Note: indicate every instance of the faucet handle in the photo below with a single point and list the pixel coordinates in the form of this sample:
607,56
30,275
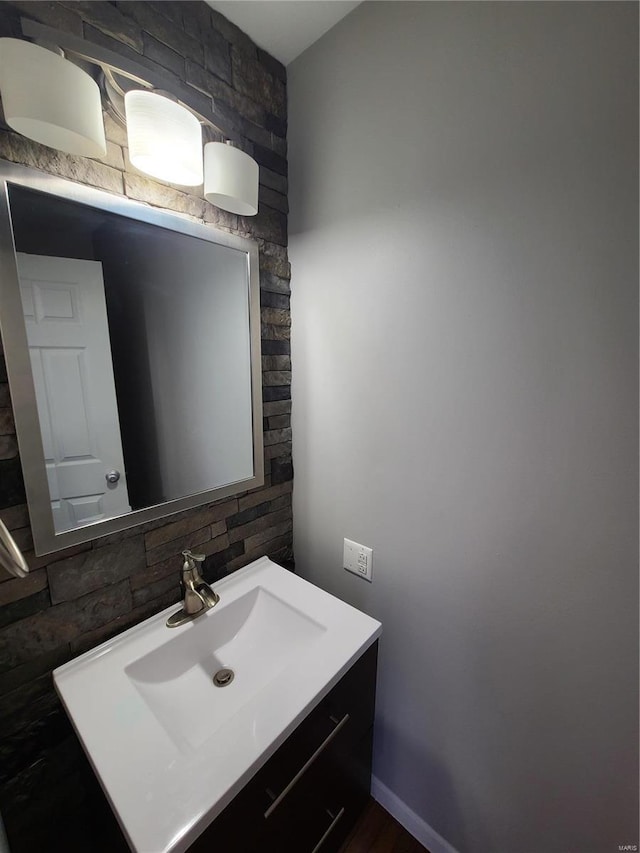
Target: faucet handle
197,558
190,567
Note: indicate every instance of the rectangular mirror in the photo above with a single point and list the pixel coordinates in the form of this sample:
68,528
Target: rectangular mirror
132,342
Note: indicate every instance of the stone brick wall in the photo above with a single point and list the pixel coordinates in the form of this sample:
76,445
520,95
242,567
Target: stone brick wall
74,599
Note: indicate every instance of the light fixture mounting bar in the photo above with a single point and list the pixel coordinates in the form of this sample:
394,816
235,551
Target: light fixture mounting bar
143,72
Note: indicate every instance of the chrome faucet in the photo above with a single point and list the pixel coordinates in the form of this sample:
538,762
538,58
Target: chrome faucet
197,594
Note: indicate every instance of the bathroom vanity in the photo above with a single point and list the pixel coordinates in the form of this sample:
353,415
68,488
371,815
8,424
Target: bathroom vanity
274,757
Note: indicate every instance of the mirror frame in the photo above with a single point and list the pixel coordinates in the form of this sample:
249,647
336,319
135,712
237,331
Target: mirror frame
16,352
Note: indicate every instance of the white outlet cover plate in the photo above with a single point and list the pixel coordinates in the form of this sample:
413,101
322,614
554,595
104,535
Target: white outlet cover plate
358,559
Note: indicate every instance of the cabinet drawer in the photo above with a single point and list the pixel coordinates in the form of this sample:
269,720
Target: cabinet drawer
321,809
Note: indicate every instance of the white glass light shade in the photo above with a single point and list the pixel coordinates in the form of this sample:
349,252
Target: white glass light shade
230,179
50,100
165,139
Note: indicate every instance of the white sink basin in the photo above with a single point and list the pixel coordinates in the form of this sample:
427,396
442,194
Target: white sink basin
256,636
171,749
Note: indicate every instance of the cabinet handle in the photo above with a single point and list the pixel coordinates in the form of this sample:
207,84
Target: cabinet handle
329,829
325,743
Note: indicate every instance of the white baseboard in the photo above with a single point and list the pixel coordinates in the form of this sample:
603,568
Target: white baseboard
405,816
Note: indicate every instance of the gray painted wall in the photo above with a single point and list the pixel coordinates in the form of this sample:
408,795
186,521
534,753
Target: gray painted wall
464,221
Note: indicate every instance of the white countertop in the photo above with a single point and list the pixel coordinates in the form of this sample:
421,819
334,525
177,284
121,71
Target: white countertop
167,781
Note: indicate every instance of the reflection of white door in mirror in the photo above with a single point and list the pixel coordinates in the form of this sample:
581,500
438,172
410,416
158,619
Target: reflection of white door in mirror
66,321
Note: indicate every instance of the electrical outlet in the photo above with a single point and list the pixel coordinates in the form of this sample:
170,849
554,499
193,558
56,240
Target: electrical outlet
358,559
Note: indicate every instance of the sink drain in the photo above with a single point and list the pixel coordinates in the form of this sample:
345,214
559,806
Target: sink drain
223,677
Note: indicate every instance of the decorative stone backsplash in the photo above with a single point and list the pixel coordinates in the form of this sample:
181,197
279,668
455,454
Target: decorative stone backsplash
79,597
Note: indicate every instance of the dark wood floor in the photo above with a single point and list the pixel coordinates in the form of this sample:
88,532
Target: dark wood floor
378,832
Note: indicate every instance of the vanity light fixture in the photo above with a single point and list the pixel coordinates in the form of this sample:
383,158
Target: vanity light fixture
50,100
230,178
165,139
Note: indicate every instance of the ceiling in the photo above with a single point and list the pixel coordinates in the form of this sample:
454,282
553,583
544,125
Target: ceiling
284,28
